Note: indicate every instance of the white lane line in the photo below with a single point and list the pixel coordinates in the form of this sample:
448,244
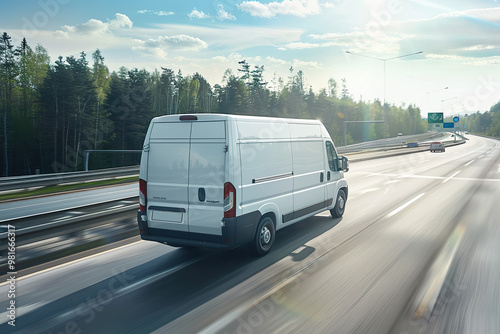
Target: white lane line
435,278
155,277
402,207
134,286
368,190
232,316
61,218
467,164
412,176
451,176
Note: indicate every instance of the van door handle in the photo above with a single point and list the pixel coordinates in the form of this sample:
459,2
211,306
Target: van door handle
201,194
321,177
328,176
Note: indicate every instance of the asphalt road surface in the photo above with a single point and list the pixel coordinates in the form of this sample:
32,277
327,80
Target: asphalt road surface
48,204
417,251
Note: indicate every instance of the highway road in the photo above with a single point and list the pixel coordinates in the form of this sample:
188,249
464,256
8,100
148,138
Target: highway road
416,252
48,204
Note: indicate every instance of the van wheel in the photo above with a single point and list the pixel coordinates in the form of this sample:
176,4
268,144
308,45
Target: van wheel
264,237
338,210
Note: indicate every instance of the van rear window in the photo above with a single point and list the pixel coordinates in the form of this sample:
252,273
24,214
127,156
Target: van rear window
171,130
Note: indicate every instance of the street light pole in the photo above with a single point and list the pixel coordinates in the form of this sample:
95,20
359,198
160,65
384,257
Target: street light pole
384,60
433,91
443,101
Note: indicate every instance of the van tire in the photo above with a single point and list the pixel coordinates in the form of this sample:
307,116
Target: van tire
264,237
338,210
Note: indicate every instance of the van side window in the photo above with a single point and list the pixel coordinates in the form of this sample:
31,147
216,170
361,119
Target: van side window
332,156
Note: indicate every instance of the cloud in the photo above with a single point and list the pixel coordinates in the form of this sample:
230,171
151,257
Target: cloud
276,61
470,33
196,14
223,15
121,21
305,64
233,58
96,27
484,61
301,45
153,12
458,35
160,46
299,8
361,41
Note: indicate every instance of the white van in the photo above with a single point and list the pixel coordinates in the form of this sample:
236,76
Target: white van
222,181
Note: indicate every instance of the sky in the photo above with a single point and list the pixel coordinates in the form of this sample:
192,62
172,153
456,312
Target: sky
440,56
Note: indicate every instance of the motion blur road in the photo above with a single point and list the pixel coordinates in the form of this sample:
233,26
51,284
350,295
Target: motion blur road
417,251
48,204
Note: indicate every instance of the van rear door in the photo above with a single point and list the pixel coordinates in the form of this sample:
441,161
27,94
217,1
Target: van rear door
186,176
206,177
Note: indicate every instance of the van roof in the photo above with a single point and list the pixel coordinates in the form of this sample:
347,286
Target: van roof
214,117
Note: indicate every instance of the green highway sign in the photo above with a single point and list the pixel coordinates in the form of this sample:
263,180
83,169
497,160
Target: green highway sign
435,117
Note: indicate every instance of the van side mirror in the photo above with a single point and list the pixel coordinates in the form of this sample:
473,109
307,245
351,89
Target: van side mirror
343,164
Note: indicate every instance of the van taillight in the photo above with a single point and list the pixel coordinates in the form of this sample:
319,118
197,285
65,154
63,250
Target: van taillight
143,194
229,200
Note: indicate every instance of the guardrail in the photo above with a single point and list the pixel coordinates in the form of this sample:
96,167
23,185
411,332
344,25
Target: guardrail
70,226
388,142
44,180
381,153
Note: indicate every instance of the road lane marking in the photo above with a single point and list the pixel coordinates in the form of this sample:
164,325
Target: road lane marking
413,176
134,286
402,207
71,262
451,176
436,276
467,164
155,277
232,316
368,190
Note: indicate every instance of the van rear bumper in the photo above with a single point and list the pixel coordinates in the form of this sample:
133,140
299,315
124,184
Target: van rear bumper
235,232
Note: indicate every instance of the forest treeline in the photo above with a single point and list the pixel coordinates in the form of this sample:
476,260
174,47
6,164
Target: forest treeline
51,112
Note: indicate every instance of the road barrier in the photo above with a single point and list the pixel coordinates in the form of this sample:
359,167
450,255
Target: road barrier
45,180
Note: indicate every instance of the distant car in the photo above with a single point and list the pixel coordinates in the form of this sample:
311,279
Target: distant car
437,146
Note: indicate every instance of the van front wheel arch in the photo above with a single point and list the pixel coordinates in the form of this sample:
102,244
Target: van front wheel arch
338,210
264,237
